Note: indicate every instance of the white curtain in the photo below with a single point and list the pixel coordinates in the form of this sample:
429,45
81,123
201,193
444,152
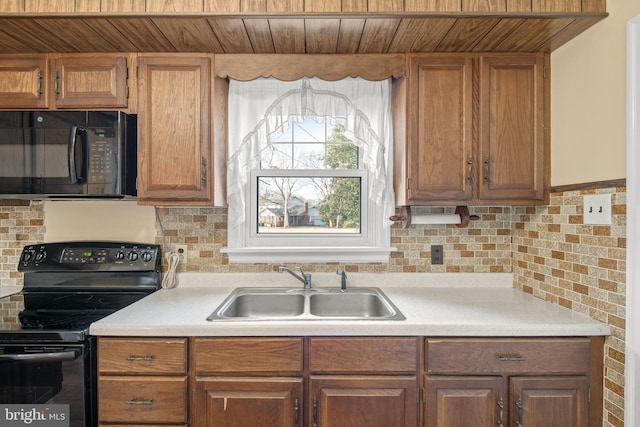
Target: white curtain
260,110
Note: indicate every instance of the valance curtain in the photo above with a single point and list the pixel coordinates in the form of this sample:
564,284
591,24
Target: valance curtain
259,112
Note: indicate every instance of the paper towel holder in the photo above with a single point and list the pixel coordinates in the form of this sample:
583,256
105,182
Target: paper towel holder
463,211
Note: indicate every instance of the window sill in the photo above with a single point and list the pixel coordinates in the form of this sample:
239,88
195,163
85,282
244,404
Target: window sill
308,254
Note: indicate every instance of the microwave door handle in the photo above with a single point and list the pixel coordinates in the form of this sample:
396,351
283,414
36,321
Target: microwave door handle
73,168
73,176
56,356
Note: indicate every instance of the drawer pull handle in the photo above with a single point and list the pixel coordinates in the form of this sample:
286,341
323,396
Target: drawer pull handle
139,402
515,358
140,358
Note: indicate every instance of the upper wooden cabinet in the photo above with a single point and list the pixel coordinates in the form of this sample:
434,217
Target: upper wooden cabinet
79,81
90,81
512,128
438,157
458,145
174,129
23,82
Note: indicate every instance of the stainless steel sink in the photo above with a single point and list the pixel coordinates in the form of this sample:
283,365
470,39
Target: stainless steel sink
350,304
306,304
260,303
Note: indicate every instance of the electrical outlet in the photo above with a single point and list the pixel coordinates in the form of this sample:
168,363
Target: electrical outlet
181,250
597,209
437,255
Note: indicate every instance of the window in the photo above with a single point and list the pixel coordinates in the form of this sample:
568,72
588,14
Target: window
309,171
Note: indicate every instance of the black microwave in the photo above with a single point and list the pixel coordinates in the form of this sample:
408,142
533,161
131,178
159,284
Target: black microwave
67,154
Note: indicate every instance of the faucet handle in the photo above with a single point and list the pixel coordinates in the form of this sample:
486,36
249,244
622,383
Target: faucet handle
343,280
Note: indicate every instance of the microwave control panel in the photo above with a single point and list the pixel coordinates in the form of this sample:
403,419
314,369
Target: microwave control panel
103,154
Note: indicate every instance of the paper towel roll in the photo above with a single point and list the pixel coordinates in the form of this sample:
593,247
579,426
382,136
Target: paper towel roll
460,218
435,219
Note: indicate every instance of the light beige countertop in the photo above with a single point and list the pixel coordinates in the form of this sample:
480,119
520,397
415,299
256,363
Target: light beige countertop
456,304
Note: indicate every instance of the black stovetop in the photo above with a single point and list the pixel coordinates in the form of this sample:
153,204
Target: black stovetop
69,285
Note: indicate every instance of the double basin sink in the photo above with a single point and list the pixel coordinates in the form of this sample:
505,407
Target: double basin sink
306,304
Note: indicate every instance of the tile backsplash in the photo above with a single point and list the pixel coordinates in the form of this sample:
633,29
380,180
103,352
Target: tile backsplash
551,254
484,246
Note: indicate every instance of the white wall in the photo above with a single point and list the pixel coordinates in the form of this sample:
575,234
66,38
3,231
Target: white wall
588,101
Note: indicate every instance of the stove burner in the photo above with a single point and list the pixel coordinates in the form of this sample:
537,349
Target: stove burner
60,319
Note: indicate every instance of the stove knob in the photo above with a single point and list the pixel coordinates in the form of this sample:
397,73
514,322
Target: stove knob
133,256
26,256
120,255
40,256
147,256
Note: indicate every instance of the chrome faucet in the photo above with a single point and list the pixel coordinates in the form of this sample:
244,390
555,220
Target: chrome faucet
305,278
343,280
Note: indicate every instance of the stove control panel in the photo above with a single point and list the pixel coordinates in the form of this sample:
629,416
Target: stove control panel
88,256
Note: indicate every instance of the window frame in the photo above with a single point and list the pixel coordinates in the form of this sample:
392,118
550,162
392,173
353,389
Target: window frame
373,244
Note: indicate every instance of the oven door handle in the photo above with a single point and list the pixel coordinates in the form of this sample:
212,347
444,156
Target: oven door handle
56,356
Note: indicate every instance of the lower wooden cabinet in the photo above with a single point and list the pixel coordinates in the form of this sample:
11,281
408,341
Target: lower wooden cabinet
363,400
237,402
350,382
529,382
464,401
142,381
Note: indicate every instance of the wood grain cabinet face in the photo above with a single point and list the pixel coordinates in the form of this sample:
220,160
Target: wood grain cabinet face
363,400
90,81
142,381
248,382
231,402
23,82
512,141
439,137
58,81
475,130
362,381
489,382
174,129
356,381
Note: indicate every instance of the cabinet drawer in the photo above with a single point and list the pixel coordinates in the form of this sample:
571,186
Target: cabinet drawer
142,356
248,355
363,355
142,399
483,356
142,425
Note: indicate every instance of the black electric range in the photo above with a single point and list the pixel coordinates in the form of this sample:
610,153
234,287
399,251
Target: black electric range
46,353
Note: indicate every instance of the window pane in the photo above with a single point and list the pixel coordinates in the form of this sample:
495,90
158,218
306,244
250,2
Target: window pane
327,205
311,144
277,156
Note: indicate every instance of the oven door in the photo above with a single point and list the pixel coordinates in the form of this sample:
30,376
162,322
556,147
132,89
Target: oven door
48,374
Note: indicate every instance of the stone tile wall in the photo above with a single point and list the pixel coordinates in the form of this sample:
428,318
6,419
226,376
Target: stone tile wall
21,224
583,267
484,246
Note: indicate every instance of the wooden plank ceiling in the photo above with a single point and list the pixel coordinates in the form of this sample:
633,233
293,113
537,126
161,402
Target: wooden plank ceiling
365,33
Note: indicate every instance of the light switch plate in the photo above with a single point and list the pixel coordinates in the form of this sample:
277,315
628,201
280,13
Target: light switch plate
597,209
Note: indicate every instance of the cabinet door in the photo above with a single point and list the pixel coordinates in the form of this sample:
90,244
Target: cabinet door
363,401
174,137
462,401
549,401
439,139
90,81
512,134
248,402
23,82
